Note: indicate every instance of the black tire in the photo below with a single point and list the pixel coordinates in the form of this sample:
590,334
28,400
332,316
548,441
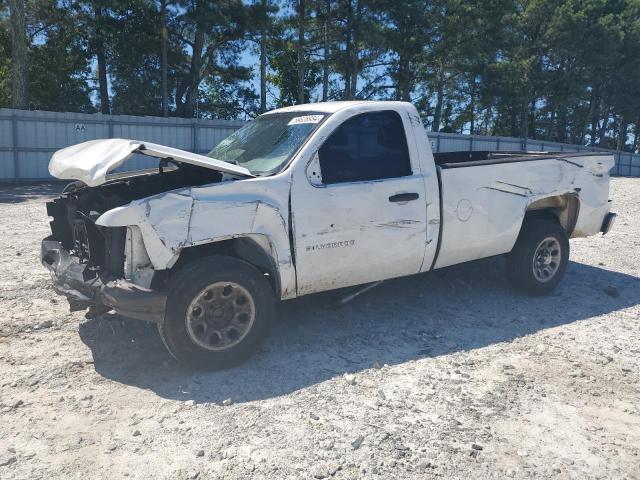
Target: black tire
524,274
188,285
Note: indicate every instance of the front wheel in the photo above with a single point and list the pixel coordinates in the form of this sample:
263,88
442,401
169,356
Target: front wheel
219,310
539,258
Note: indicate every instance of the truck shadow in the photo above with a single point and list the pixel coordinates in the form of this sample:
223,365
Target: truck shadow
455,309
26,192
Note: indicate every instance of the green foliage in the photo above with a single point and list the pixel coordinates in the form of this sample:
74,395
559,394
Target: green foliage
5,59
564,70
134,61
227,100
284,65
61,85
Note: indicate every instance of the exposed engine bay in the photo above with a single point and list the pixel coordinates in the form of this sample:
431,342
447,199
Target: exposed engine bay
74,213
92,253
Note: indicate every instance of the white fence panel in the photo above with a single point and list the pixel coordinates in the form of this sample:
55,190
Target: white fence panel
28,138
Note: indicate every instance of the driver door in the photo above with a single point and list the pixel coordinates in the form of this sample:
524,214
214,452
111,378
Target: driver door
361,213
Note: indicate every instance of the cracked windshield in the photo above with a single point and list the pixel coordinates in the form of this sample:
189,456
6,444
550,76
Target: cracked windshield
268,142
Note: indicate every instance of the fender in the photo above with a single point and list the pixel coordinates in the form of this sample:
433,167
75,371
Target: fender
172,221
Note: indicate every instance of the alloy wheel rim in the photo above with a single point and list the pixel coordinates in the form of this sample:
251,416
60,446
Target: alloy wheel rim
220,316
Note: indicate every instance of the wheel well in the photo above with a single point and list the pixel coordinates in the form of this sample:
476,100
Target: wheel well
253,249
563,209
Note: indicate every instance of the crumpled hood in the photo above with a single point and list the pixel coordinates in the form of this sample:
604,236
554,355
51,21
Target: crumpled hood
91,161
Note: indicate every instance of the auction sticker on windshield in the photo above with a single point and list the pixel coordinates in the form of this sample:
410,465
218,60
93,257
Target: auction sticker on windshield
305,119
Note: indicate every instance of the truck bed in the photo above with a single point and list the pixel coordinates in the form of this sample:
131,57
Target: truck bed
485,195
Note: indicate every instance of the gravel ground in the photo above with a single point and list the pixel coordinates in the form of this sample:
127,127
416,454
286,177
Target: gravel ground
448,374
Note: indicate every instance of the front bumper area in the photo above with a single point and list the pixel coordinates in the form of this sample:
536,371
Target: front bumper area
85,287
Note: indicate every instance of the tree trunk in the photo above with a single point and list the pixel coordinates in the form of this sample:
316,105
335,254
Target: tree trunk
561,127
524,119
263,58
532,119
403,88
636,137
188,109
579,132
437,115
102,63
163,57
102,80
472,109
19,54
355,67
326,50
301,69
594,129
405,75
347,52
486,121
403,81
603,128
552,120
622,133
593,113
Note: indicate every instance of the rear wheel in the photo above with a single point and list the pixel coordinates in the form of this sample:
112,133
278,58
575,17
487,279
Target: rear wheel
539,258
219,310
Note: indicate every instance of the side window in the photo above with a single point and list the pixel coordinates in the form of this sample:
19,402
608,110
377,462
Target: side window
370,146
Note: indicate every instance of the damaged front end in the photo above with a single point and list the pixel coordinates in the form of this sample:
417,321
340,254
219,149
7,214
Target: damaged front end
97,289
107,268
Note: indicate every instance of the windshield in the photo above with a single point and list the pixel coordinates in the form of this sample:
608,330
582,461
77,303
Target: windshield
268,142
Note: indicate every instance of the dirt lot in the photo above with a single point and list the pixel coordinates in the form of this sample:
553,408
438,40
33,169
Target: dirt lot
449,375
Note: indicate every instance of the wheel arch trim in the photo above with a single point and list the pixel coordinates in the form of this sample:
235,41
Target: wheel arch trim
254,248
565,208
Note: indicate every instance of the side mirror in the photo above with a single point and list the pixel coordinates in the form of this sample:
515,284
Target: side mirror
314,175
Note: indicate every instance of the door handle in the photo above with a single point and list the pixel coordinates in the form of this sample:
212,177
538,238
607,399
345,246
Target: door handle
403,197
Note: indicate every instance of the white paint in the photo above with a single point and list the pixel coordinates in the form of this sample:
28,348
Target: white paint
255,208
464,210
500,194
305,119
91,161
347,234
322,107
137,265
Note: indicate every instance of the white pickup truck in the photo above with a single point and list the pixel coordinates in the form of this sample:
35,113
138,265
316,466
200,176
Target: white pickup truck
302,200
